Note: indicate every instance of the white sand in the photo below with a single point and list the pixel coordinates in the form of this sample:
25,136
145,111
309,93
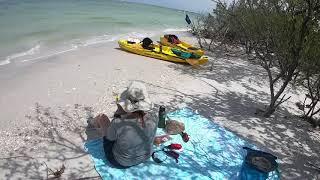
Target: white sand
59,91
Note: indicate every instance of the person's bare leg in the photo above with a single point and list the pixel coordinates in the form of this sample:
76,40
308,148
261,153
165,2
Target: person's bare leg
102,122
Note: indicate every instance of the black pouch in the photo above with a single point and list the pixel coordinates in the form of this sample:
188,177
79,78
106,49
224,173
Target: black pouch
262,161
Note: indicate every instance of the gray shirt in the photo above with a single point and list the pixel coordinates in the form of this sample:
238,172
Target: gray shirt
133,143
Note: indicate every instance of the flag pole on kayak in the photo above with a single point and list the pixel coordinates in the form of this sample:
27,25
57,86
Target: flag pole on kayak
188,19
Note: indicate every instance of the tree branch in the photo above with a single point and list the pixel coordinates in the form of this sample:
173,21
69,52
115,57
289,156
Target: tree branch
316,112
282,100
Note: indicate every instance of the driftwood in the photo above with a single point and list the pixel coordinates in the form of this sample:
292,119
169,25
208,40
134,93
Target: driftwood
56,174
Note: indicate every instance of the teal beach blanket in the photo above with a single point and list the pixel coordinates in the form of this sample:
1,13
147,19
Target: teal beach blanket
211,153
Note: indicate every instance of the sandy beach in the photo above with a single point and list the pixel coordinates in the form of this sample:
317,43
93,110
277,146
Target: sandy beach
45,104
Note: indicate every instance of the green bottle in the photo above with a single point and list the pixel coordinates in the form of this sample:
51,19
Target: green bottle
162,117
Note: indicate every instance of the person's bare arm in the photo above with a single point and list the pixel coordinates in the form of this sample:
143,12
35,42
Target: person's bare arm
102,122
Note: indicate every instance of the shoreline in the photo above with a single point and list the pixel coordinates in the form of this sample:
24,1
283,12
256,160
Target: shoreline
42,51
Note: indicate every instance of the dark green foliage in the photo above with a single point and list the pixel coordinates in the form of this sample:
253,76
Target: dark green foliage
283,35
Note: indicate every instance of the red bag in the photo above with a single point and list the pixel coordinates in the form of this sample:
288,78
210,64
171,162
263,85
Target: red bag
174,146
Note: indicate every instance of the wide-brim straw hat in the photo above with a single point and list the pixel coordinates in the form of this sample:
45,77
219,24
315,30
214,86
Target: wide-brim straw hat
135,98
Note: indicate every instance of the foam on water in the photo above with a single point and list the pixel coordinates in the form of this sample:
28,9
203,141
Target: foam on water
109,38
4,62
75,44
50,55
176,30
29,52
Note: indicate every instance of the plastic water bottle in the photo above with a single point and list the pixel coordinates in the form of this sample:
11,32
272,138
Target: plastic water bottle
162,117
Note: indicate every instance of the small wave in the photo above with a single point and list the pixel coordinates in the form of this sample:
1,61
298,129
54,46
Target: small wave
77,43
141,35
97,40
110,38
176,30
52,54
29,52
4,62
25,53
133,35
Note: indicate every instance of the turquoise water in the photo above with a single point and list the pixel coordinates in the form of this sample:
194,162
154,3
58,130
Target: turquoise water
35,28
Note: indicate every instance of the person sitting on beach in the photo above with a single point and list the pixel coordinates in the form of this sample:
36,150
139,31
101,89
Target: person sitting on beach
128,138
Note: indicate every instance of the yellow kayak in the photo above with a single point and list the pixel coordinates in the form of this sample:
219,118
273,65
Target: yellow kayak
165,54
181,45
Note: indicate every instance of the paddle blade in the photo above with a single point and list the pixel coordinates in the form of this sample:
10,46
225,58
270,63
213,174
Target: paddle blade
193,62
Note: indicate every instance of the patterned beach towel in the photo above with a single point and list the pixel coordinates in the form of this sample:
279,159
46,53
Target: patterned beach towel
211,153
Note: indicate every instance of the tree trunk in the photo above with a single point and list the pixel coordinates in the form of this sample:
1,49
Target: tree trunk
199,41
273,104
271,109
269,112
211,41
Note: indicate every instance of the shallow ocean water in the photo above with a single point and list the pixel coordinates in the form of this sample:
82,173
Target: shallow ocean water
32,29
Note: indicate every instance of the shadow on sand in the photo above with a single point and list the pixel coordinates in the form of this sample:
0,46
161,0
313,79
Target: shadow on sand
285,135
56,139
236,91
